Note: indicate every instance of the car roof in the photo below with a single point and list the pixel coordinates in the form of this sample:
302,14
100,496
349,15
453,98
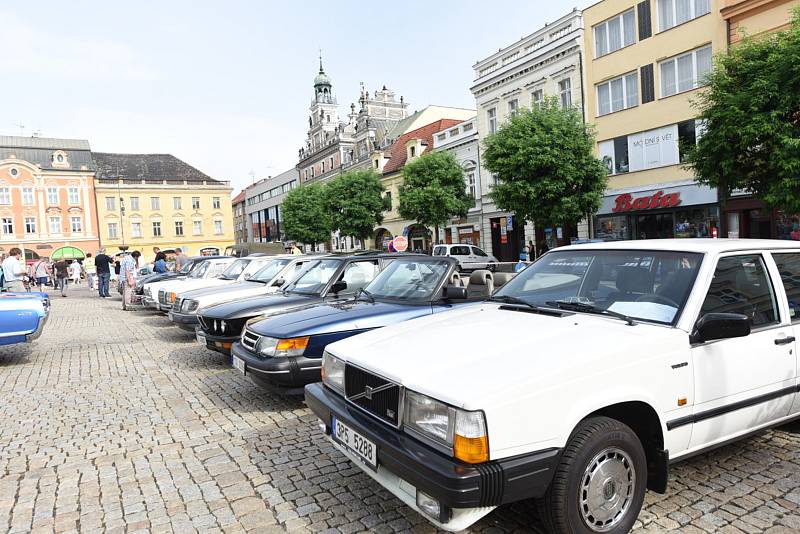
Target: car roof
701,245
208,257
371,254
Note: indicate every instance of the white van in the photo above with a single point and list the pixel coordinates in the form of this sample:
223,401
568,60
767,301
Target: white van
469,257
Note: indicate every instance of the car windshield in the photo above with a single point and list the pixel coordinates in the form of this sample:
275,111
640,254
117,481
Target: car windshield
200,270
408,279
187,267
641,284
270,270
315,278
235,269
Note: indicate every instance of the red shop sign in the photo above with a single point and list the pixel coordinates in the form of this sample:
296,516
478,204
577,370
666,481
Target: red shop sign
626,202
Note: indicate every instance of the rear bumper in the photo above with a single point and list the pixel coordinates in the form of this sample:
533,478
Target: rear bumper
39,329
284,374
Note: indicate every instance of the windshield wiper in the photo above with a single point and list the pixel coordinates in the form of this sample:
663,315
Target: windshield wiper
362,291
508,299
588,308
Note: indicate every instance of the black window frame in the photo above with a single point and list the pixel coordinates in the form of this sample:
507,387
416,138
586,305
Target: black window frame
775,254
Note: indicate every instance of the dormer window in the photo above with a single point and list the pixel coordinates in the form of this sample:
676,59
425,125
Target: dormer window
59,159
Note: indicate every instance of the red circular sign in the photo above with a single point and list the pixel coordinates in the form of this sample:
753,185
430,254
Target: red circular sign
400,243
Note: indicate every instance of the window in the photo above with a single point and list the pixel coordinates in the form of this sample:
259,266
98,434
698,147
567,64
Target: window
565,90
197,227
217,227
687,137
789,267
30,225
111,202
387,201
413,151
614,154
73,197
513,106
112,230
76,225
741,285
491,115
179,228
615,33
471,186
176,203
617,94
156,228
674,12
134,203
52,196
686,72
536,98
27,196
467,127
8,225
195,203
55,225
5,196
155,203
136,229
478,252
440,137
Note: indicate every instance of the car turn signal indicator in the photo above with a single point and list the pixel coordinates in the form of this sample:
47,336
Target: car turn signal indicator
471,450
292,343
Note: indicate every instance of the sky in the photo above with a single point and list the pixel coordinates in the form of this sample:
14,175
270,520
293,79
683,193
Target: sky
226,86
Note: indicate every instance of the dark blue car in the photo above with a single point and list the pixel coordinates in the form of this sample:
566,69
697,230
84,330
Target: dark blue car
284,351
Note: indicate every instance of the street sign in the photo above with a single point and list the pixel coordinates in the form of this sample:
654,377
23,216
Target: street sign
400,243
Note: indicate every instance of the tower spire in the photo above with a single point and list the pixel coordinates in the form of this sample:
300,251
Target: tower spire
320,61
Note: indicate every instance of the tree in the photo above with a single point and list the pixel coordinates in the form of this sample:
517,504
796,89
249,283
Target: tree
355,202
751,121
305,214
433,190
546,170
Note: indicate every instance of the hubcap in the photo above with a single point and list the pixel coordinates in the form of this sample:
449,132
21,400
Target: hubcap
607,489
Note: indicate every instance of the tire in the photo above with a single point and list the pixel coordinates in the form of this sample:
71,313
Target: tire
598,443
492,267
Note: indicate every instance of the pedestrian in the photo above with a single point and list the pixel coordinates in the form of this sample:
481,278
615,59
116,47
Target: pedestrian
296,250
160,265
61,268
90,268
128,278
13,271
543,247
115,276
531,250
180,259
103,266
40,273
75,270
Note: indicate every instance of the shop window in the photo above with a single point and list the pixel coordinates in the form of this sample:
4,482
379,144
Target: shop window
697,222
612,228
621,155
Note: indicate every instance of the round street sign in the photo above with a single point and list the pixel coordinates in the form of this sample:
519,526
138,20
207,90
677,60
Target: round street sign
400,243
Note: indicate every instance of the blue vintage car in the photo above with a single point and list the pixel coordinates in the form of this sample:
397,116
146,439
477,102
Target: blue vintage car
22,316
284,351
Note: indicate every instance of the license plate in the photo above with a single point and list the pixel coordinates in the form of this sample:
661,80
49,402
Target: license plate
201,338
239,365
355,443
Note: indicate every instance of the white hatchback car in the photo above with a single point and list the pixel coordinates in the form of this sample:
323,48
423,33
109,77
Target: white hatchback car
469,257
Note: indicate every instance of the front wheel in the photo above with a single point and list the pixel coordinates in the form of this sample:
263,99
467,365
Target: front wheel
599,484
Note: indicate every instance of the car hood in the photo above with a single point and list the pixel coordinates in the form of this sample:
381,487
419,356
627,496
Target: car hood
259,305
336,317
188,284
457,354
235,290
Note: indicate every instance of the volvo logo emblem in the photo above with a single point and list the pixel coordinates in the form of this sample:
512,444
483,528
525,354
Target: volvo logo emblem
369,391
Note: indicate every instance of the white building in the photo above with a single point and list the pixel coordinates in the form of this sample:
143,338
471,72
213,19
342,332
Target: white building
546,63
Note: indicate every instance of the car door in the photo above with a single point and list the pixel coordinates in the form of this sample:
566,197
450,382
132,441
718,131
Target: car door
462,255
788,267
742,383
481,259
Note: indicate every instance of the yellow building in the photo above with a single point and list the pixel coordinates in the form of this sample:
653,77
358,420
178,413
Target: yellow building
756,17
645,63
157,200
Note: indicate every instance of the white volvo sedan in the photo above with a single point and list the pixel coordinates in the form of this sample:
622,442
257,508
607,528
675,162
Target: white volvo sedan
576,384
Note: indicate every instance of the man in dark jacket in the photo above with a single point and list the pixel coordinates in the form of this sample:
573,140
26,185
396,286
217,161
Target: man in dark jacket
103,264
61,270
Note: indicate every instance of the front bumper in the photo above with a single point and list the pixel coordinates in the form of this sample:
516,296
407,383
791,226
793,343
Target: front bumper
470,491
221,344
186,321
150,302
284,374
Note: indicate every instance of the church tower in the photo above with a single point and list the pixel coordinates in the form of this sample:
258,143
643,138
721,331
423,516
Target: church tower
323,121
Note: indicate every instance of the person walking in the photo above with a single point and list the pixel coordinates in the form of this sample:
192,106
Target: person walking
61,268
103,265
13,271
127,275
180,259
90,268
40,273
75,272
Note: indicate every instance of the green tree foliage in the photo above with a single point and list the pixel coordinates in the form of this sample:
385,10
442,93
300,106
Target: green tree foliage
355,202
751,112
433,190
305,214
546,169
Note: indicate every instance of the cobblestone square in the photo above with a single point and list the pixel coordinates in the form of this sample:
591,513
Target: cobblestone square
119,422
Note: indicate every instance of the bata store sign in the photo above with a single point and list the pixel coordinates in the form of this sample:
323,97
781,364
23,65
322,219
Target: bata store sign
627,202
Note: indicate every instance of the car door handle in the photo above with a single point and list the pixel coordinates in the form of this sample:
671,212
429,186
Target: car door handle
784,340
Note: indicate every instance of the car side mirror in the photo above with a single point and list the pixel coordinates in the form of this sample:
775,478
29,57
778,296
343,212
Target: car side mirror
279,282
454,293
713,326
341,285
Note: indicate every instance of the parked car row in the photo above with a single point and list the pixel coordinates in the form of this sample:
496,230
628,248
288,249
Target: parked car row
575,383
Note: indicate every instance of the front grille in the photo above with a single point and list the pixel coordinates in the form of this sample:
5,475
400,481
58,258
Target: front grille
222,327
359,388
250,340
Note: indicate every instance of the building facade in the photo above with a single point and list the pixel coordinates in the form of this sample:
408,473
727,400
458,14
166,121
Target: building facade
756,17
462,141
47,198
239,219
157,200
645,63
262,206
546,63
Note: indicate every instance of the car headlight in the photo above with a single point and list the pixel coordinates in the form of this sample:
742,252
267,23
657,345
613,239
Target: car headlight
333,372
459,430
189,306
282,348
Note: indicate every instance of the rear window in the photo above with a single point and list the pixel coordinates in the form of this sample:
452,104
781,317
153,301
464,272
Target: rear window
459,251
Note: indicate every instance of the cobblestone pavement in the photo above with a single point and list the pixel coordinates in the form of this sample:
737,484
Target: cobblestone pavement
116,421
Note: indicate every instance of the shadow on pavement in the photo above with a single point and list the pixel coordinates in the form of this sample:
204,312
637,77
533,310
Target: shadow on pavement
14,354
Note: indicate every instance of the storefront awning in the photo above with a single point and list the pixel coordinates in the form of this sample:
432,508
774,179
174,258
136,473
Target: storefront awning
67,253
